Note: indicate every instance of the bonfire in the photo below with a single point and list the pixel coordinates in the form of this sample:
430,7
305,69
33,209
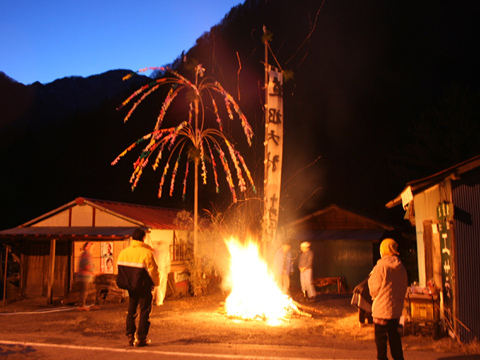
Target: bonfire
255,294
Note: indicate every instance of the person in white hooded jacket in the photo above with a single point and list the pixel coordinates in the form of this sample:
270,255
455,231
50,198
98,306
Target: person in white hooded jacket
388,284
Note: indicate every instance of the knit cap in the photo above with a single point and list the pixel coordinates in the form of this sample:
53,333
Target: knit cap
388,247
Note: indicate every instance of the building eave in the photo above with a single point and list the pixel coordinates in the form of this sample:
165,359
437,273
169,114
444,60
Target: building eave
420,185
66,233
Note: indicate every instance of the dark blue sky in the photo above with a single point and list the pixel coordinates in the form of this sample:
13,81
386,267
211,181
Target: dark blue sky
46,40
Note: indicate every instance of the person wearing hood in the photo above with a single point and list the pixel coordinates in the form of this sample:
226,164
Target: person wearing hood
388,285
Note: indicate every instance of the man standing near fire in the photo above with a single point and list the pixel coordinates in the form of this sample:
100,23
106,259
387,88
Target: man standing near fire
305,265
388,284
138,273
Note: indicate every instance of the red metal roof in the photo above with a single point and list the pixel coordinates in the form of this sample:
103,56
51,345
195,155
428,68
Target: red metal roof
150,216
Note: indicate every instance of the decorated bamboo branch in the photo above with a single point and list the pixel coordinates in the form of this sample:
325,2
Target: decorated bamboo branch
203,143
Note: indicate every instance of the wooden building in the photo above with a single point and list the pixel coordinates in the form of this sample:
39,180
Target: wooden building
345,244
50,245
444,208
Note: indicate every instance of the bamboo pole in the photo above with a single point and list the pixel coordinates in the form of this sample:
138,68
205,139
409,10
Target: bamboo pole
301,312
52,271
7,249
310,309
195,210
265,156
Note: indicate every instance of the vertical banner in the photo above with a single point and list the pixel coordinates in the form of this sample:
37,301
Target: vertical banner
444,215
273,152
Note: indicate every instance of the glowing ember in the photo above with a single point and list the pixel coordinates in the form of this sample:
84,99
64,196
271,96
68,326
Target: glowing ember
255,294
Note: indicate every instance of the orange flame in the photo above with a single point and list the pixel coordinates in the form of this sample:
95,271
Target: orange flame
255,294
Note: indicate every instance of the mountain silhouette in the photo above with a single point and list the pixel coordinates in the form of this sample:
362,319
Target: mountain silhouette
364,73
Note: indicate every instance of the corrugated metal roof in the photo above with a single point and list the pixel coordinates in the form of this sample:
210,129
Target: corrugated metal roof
151,216
146,216
61,232
417,186
465,197
335,217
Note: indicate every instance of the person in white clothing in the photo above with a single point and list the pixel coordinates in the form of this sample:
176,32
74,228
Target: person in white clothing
388,285
162,256
305,265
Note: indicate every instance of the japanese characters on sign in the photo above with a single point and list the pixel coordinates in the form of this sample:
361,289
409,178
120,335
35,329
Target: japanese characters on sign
273,151
444,213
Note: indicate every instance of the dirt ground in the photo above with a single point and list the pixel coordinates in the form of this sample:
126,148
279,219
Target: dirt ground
330,322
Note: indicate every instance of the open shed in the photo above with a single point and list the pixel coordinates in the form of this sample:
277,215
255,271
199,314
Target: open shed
50,245
346,244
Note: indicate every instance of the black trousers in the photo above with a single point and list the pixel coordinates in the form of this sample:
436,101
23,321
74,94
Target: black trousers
143,301
388,332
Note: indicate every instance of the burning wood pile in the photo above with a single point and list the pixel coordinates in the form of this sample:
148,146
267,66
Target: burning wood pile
255,294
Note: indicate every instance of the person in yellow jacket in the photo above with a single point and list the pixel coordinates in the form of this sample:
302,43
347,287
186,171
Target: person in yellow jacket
138,274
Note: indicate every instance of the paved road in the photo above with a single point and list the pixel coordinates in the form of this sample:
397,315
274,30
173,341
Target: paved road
193,328
28,350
